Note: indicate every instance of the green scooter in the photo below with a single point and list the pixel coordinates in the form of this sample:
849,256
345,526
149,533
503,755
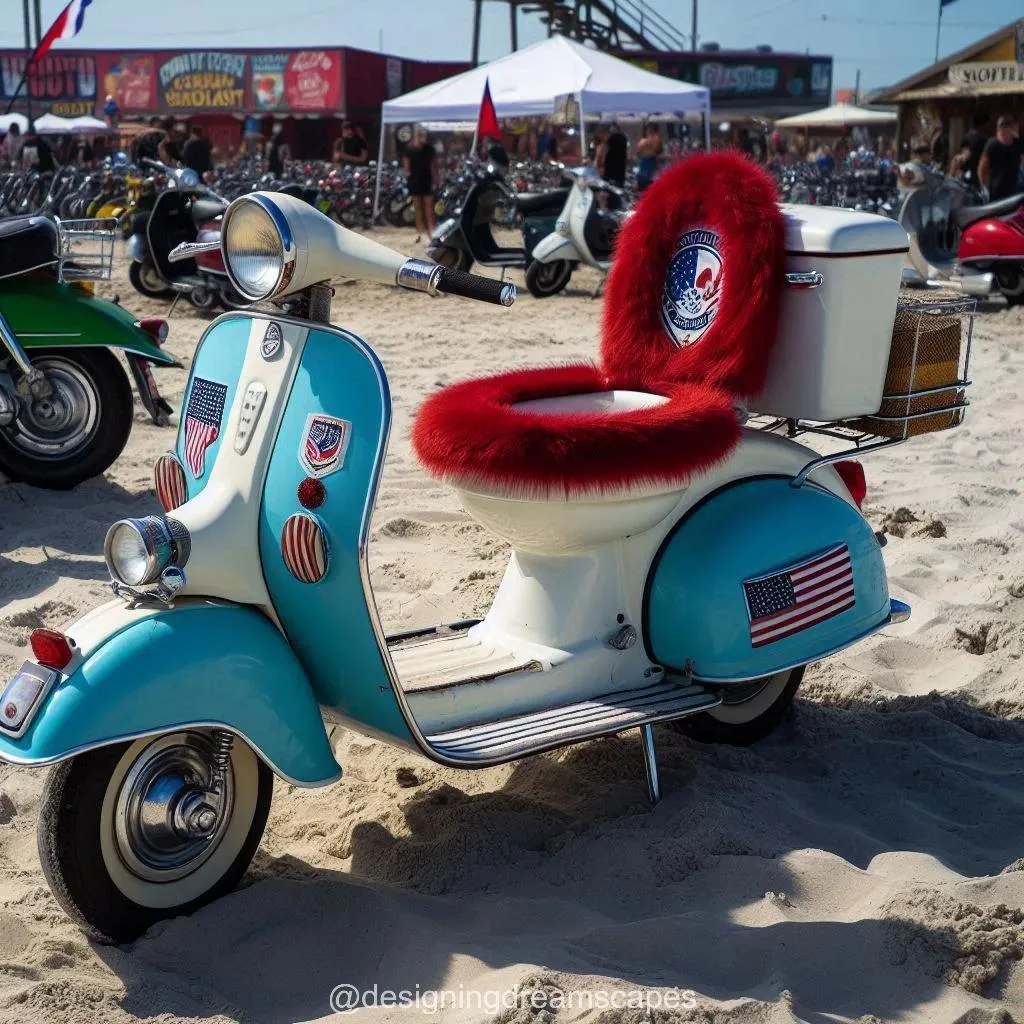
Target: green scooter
66,404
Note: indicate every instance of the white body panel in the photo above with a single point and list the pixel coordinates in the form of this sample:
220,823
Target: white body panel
555,246
832,350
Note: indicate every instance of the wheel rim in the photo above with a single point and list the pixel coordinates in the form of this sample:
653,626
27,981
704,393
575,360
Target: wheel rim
150,279
1011,282
743,702
58,426
167,821
550,277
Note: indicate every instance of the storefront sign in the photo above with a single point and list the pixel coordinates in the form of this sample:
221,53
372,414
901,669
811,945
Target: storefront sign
738,81
203,81
739,78
63,84
268,80
988,73
313,80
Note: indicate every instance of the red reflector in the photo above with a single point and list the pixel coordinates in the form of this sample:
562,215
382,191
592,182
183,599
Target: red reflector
155,328
312,493
50,648
852,474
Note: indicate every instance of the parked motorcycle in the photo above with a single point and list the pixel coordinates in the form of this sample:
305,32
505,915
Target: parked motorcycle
649,581
186,211
65,402
468,237
585,233
954,240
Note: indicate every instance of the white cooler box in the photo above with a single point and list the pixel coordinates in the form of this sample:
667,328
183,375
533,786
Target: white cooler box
832,350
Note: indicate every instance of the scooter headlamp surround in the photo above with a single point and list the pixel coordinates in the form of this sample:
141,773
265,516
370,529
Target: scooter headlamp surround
259,253
138,550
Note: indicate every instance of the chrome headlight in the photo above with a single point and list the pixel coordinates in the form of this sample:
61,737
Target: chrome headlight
138,550
258,250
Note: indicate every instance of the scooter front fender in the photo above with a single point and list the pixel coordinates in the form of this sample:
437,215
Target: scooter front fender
555,247
197,664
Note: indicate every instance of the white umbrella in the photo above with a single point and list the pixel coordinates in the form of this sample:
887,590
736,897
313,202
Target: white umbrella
840,115
8,119
50,124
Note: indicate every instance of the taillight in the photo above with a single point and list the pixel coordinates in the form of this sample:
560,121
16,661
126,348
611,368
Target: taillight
155,328
51,648
852,475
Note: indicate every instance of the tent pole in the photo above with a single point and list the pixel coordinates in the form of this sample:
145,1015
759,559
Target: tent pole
478,6
380,167
707,130
583,135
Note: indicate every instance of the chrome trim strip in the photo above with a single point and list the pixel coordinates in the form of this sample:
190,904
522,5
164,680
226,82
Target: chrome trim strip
804,280
898,612
131,737
10,341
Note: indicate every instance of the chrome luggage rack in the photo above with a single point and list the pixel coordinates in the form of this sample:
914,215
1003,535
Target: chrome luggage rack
900,415
86,248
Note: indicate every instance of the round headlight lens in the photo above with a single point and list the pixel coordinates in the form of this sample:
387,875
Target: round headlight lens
253,250
126,553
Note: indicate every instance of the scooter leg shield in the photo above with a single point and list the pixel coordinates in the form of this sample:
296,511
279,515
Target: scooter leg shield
198,664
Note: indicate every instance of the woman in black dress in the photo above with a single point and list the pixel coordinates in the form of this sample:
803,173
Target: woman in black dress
419,173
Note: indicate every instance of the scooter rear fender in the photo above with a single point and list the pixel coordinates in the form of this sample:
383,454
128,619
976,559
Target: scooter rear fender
155,670
555,247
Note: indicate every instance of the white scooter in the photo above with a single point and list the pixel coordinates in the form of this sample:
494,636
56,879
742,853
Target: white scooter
584,233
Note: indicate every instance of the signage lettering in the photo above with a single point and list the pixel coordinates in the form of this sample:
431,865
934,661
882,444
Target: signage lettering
990,73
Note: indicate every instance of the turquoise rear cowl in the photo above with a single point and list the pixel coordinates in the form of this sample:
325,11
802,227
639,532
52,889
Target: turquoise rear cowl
696,605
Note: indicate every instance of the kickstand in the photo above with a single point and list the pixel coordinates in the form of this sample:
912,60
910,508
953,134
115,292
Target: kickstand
650,763
177,295
503,269
597,290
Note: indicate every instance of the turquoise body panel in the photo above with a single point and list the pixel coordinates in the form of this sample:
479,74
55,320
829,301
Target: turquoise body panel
198,664
329,623
696,608
219,357
43,313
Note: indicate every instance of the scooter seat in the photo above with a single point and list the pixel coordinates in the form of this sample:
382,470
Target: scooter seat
965,215
26,243
508,435
541,202
204,210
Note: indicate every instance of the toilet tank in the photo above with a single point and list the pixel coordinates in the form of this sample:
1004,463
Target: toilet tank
832,349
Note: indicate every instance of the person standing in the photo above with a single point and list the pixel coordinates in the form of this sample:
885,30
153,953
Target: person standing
648,149
350,148
13,143
147,145
197,153
277,151
615,157
999,167
420,159
973,146
170,146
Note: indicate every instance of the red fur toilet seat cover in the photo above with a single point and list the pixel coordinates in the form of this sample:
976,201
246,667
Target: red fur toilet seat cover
691,313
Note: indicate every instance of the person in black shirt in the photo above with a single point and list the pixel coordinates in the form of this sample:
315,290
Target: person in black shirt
999,166
973,146
197,151
277,152
350,148
147,145
36,154
419,173
170,147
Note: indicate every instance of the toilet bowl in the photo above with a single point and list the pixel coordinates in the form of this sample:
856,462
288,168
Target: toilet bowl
553,523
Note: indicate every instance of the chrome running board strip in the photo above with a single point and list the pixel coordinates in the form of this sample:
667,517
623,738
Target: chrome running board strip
571,723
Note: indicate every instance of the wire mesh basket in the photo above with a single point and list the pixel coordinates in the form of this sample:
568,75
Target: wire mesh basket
87,249
926,380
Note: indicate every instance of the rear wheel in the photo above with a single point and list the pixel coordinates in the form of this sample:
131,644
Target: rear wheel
546,279
748,712
451,258
138,832
1011,284
147,281
76,431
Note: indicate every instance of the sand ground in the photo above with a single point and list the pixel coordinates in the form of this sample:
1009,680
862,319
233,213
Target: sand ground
866,862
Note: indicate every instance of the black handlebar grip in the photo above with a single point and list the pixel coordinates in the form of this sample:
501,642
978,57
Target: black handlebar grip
472,286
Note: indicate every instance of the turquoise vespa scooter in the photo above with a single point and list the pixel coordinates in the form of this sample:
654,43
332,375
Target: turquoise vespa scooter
674,587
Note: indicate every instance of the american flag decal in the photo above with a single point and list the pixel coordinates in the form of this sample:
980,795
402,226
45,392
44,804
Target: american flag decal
800,596
324,444
169,478
203,415
304,548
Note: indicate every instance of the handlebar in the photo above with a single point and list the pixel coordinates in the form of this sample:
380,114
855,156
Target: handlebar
423,276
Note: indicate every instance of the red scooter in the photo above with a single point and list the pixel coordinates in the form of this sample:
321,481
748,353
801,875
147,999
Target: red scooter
954,241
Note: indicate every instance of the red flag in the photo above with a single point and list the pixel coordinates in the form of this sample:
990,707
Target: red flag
487,123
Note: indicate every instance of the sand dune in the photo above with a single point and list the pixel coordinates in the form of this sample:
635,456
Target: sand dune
864,863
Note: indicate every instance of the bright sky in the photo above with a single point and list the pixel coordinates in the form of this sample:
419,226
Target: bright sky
885,39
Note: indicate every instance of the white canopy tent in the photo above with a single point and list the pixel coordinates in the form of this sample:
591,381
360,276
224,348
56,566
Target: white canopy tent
50,124
532,81
837,117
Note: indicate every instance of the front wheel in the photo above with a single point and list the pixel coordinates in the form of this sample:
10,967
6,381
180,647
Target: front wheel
546,279
147,281
75,432
748,712
138,832
451,258
1011,283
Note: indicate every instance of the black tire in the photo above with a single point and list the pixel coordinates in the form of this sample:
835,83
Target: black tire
34,454
546,279
728,722
144,280
204,299
451,258
1011,283
71,848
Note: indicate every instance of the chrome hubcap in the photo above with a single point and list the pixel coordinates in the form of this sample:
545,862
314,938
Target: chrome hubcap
65,420
169,819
